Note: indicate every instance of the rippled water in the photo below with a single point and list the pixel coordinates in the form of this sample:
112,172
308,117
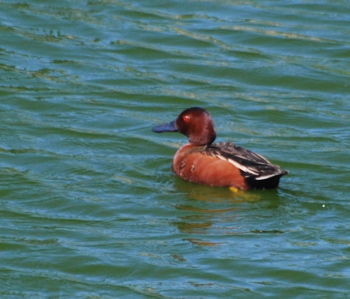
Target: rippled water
89,207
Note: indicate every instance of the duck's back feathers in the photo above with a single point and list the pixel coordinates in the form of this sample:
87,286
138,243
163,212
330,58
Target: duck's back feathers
258,171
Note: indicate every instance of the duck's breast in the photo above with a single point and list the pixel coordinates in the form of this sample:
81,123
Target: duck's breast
190,163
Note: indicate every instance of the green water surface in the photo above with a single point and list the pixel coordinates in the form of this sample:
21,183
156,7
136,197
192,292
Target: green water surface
89,207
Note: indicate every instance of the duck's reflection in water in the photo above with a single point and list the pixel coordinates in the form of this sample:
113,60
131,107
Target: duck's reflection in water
212,211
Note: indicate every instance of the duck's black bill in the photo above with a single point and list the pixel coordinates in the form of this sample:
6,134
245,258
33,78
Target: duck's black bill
170,127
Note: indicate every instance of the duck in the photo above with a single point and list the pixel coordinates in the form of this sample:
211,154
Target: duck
222,164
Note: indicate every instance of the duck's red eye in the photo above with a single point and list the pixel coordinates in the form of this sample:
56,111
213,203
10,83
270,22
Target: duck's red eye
186,118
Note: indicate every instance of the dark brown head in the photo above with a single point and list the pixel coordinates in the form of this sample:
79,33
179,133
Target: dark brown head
195,123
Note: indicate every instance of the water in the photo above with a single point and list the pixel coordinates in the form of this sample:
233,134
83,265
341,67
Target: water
89,207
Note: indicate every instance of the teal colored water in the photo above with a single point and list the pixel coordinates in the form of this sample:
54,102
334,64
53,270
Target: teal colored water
89,207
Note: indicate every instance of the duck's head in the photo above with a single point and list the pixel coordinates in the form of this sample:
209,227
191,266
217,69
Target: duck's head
195,123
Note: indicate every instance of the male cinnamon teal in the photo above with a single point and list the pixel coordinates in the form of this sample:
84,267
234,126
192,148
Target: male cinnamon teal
217,164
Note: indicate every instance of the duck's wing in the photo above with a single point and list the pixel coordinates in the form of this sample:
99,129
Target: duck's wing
252,165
